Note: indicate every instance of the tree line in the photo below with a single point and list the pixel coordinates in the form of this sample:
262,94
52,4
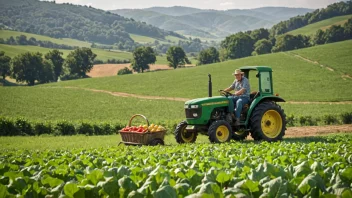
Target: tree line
333,10
32,67
259,41
22,40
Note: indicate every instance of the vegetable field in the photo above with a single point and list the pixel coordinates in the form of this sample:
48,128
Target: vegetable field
318,168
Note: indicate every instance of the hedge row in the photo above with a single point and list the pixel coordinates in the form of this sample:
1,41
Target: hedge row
24,127
343,118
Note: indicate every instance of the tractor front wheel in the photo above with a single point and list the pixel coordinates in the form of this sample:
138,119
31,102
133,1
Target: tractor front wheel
182,135
220,131
268,122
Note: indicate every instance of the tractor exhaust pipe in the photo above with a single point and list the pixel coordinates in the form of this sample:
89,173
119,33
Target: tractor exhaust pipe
210,87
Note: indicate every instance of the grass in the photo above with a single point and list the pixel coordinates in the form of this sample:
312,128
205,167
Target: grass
53,104
335,55
50,104
323,25
66,41
294,79
42,143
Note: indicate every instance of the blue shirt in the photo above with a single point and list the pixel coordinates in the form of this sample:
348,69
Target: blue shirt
243,84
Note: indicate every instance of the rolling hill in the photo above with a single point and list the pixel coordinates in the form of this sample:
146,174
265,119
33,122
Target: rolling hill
296,78
72,21
299,75
323,25
210,23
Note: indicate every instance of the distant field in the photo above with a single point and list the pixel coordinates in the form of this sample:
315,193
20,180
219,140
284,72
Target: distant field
66,41
142,39
41,103
13,50
337,56
295,79
323,25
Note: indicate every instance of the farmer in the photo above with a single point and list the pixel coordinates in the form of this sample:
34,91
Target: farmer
242,91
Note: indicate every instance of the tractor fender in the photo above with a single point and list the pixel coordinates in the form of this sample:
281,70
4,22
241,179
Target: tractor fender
258,101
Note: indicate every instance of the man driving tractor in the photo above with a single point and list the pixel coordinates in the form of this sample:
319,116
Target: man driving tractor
242,92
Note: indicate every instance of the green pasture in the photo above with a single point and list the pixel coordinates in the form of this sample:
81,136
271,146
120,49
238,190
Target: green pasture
56,103
323,25
65,41
294,79
337,56
142,39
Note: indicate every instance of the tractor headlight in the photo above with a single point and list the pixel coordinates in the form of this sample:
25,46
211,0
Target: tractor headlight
186,106
195,115
194,106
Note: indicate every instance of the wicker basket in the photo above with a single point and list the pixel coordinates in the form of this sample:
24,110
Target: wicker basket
141,138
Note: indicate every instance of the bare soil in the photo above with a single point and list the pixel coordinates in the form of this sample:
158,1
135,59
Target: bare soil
104,70
317,130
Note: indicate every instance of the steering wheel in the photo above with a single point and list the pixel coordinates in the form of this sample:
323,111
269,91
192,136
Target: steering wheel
225,93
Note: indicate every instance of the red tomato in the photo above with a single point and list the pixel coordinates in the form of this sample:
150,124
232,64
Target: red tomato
140,130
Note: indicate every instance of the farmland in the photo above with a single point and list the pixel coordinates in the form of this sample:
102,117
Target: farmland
5,34
323,25
297,167
319,83
104,55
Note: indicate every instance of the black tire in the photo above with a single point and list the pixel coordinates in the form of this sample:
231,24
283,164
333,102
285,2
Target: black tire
220,131
268,122
156,141
240,135
182,136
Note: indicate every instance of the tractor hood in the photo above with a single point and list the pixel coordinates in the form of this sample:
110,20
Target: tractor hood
208,101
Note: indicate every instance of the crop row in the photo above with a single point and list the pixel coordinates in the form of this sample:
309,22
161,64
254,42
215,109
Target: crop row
283,169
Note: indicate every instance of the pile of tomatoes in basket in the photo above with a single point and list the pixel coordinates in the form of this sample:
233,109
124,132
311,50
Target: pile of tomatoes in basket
135,129
142,129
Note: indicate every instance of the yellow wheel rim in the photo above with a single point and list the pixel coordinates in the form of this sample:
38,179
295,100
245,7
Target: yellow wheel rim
187,137
271,123
222,133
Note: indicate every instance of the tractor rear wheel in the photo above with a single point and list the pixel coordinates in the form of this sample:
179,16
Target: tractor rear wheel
268,122
182,135
220,131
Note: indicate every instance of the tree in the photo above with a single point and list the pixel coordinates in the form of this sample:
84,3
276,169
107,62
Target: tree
80,61
47,73
142,57
27,67
259,34
348,29
319,38
4,65
290,42
334,34
238,45
55,56
176,56
208,56
262,46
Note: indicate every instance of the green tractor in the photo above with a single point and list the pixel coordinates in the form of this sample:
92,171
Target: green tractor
263,118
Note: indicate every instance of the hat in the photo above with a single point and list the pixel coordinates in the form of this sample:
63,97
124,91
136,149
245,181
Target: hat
237,71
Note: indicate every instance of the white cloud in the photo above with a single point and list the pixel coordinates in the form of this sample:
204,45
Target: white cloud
227,3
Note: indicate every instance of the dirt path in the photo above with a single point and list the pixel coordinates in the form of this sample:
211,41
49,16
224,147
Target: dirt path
343,76
122,94
317,130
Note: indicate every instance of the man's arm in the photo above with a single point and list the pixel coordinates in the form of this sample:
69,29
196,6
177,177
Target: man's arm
228,89
240,92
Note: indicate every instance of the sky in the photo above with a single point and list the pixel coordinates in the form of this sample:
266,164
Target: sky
203,4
